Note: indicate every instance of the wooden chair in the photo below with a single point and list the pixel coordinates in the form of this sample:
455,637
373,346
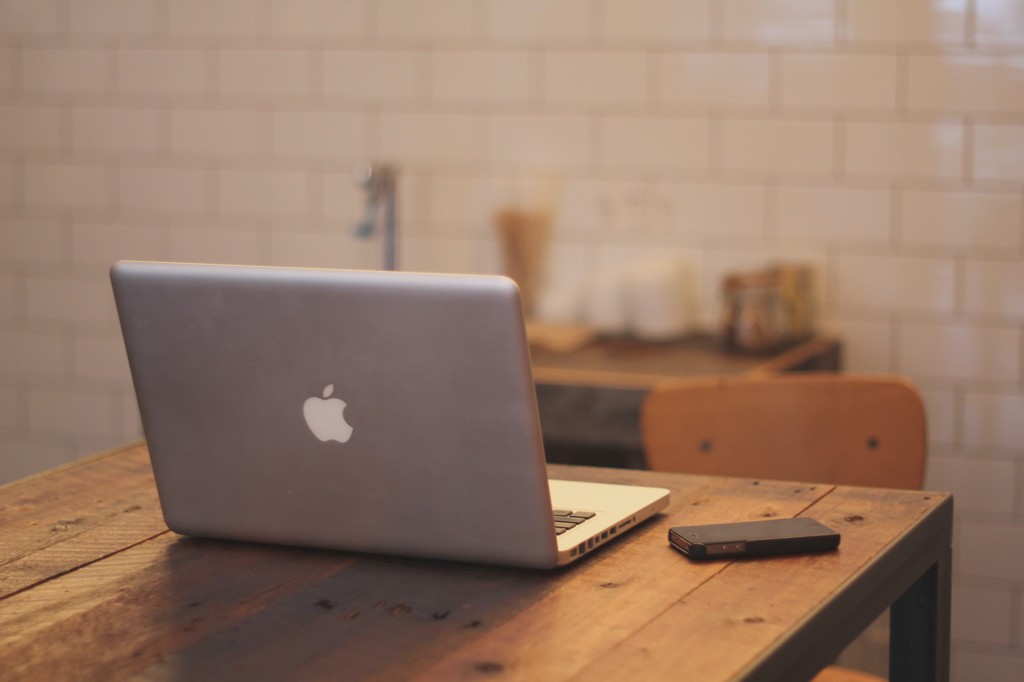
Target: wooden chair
821,428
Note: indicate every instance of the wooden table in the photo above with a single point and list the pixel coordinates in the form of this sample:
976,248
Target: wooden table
93,586
589,400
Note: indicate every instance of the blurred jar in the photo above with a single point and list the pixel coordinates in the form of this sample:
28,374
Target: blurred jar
767,310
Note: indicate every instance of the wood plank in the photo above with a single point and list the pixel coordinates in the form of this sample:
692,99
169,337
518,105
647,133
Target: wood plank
719,630
75,515
380,618
173,606
123,613
165,606
616,592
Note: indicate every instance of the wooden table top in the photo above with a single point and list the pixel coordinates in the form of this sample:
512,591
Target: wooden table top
94,586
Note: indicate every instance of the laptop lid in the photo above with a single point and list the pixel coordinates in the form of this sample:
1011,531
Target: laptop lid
370,411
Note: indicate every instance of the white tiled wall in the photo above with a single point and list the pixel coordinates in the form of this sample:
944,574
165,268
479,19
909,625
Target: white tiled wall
879,141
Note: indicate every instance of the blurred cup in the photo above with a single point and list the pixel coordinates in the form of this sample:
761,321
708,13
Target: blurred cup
656,300
604,307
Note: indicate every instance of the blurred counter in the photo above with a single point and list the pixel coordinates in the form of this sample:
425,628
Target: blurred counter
589,399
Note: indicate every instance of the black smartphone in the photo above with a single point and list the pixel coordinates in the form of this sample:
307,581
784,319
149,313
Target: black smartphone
753,538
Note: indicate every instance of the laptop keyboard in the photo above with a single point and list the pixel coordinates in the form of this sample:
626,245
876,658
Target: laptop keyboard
567,520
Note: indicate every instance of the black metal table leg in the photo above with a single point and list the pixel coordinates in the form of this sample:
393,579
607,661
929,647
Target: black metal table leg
919,632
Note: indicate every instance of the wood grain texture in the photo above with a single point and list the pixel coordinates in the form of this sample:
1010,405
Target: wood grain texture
618,592
169,607
75,515
720,630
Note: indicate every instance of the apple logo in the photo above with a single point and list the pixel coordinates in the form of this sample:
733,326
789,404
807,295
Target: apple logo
325,417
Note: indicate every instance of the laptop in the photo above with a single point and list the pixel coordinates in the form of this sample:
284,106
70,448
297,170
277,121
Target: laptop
383,412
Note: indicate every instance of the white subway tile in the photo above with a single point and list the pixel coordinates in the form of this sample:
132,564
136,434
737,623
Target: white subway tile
973,554
998,22
67,185
985,667
426,18
840,81
10,295
654,143
70,411
210,245
834,213
65,70
221,18
476,76
104,244
712,209
215,133
1020,604
779,21
907,21
69,299
30,17
8,183
372,75
896,282
596,78
591,207
961,218
449,255
546,142
533,20
342,198
978,485
325,135
28,353
867,344
958,351
171,190
265,73
995,288
162,71
32,242
117,129
32,456
981,615
10,407
114,17
998,152
265,193
941,410
325,250
131,422
30,128
100,358
307,18
715,79
932,150
655,22
773,146
431,138
966,83
467,203
994,420
7,77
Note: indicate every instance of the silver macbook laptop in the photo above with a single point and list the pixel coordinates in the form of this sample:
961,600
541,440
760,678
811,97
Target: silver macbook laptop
367,411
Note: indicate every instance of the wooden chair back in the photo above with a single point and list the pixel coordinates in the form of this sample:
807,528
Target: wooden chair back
825,428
